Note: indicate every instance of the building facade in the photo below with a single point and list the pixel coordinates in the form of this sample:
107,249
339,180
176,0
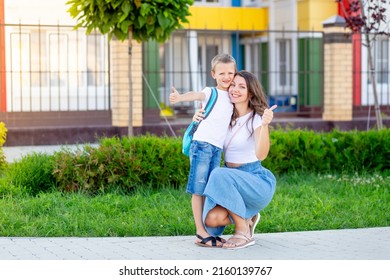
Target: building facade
53,75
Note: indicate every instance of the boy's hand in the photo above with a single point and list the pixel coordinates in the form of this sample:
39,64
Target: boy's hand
174,97
198,115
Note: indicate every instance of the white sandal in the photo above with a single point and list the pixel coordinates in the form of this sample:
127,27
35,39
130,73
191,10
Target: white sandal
248,241
253,223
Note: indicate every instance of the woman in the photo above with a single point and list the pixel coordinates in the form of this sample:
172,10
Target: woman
238,192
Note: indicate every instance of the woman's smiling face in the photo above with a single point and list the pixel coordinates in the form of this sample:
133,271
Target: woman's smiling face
238,90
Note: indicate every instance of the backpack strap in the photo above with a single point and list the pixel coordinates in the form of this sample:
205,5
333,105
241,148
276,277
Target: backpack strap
210,104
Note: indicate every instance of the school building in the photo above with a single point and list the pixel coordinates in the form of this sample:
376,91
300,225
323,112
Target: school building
59,85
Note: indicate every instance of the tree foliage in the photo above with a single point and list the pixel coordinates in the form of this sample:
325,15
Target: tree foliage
145,19
358,21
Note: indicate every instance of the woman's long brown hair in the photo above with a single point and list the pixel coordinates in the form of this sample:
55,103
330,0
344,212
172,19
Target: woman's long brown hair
257,101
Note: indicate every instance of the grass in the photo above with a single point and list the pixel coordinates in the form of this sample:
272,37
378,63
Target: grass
145,212
302,202
312,202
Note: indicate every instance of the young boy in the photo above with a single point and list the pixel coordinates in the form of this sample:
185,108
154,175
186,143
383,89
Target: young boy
207,144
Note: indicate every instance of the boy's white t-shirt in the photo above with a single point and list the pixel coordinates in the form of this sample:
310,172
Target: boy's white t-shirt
213,129
242,147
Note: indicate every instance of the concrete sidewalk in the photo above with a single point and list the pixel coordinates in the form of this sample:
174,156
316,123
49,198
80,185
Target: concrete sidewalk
349,244
16,153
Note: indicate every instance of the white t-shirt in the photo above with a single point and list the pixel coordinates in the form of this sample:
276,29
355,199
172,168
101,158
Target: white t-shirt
242,147
213,129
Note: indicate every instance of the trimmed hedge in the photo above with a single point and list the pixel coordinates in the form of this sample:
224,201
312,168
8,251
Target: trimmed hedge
334,151
32,174
122,164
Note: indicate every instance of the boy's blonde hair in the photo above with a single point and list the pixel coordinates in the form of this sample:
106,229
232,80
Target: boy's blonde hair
223,58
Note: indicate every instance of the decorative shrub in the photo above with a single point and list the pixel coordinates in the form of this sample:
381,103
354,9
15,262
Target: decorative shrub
122,163
33,173
334,151
3,135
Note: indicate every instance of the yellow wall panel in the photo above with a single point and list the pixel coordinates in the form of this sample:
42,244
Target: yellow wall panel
227,18
311,13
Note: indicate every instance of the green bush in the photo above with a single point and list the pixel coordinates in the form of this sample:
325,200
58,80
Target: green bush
8,190
122,163
3,134
33,173
302,150
294,150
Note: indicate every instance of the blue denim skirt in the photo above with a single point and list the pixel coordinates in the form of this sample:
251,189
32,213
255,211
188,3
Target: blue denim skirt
244,190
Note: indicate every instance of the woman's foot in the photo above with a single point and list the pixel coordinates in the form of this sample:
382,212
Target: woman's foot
209,241
239,240
253,223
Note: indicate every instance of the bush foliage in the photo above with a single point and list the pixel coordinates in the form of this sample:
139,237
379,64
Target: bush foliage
32,174
3,134
336,151
124,163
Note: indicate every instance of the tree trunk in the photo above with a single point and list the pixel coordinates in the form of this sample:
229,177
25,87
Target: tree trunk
378,113
130,132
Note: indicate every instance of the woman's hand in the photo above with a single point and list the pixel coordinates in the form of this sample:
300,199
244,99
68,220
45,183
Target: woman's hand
262,134
198,116
268,115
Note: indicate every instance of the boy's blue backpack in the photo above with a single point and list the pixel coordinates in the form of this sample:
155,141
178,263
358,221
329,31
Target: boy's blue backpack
187,138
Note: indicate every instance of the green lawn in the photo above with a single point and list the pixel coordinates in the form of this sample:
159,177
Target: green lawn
302,202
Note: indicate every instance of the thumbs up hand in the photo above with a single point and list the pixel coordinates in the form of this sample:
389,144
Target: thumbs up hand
268,115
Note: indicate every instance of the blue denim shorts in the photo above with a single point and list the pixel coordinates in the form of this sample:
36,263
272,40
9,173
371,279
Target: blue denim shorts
204,157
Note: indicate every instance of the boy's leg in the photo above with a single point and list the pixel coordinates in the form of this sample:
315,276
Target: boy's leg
201,233
197,207
202,161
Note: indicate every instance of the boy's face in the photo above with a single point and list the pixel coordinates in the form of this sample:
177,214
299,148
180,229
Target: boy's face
223,74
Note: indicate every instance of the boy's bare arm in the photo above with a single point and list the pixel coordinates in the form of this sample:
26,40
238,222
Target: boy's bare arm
176,97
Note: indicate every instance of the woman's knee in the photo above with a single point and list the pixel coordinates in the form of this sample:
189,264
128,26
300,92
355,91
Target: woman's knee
211,220
218,217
